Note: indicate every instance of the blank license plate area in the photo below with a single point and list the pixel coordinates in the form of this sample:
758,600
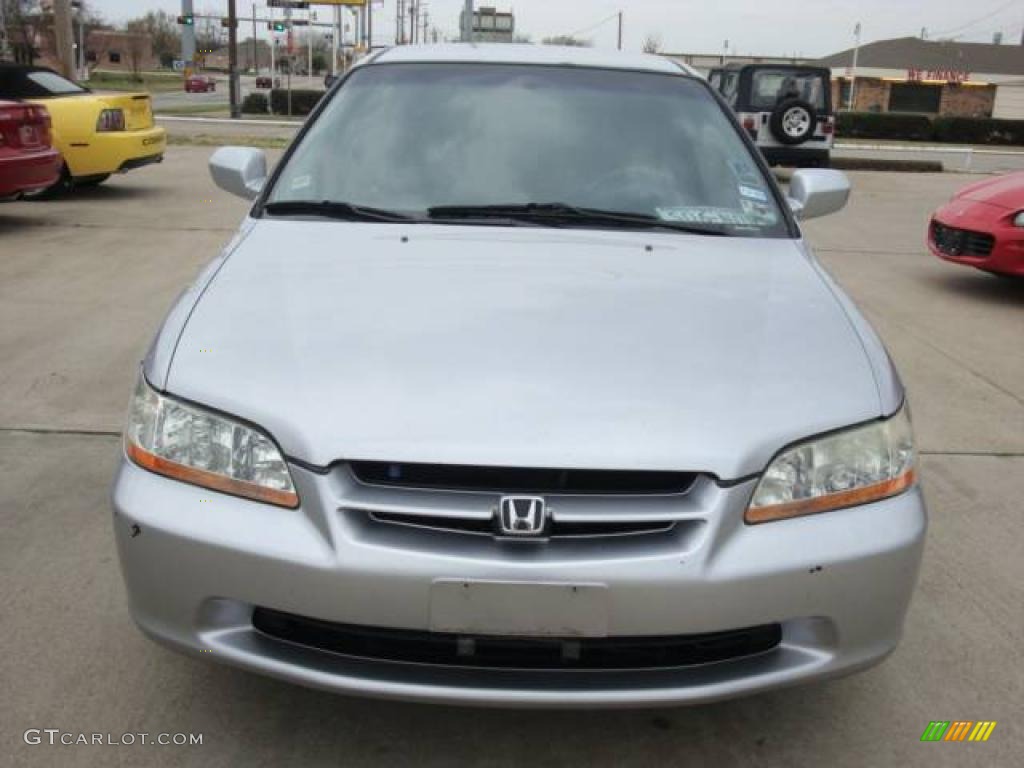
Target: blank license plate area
519,608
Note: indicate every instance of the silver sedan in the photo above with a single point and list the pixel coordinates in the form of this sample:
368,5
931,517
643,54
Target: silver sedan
519,386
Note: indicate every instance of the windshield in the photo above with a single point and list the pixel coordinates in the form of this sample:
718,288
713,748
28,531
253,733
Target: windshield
771,87
419,139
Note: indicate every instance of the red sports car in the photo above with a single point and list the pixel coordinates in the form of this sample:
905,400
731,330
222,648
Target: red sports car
28,161
983,226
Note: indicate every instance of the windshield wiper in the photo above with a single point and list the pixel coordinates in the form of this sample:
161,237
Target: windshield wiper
555,214
330,209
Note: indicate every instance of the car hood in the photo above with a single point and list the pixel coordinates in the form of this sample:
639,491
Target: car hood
1006,191
523,347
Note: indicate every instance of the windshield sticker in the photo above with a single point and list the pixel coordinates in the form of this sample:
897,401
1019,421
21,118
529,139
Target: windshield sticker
301,182
762,213
709,215
753,193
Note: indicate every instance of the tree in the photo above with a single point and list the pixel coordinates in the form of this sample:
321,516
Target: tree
162,29
652,44
574,42
25,24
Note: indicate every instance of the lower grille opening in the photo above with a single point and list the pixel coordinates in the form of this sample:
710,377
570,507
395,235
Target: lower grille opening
454,477
499,652
961,242
555,529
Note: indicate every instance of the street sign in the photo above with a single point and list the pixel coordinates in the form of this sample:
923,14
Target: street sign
179,65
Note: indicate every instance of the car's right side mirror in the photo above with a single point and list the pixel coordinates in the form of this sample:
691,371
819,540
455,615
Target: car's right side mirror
815,192
241,171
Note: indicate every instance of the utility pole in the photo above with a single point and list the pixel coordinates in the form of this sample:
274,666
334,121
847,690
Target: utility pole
369,26
620,30
426,24
255,56
467,22
188,36
65,38
80,50
399,22
335,42
853,69
233,83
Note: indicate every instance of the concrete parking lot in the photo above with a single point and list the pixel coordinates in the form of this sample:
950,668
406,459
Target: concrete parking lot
85,280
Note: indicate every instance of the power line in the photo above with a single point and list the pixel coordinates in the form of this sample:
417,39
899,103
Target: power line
593,26
970,24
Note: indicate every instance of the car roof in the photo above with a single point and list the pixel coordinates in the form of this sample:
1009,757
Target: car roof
733,66
520,53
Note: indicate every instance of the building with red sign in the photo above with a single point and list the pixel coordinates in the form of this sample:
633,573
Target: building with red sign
931,77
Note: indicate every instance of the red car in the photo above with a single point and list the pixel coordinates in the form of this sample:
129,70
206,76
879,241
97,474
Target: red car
200,84
28,161
983,226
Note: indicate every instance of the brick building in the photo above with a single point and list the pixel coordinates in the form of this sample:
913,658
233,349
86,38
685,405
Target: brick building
937,78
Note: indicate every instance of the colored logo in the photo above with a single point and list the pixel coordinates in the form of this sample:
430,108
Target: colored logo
958,730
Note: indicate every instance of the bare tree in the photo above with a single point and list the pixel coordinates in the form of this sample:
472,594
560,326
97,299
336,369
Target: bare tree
652,44
25,25
137,43
163,31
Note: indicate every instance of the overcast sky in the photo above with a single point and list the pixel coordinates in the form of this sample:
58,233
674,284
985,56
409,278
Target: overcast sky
770,27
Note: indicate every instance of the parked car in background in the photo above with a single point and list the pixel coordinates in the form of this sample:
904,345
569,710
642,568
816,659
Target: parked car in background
329,80
97,134
983,226
549,411
28,161
787,110
264,81
200,84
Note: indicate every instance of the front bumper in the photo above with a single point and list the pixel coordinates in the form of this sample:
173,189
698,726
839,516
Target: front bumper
107,153
1006,257
197,563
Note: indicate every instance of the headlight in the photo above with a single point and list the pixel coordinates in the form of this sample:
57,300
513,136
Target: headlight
855,466
197,446
1019,221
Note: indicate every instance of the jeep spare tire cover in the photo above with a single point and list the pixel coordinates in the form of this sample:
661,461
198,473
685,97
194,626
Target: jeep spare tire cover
792,121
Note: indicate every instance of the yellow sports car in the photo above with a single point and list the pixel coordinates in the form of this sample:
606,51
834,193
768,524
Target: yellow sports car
96,133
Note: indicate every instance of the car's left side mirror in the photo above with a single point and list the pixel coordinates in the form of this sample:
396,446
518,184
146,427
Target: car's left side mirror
241,171
817,192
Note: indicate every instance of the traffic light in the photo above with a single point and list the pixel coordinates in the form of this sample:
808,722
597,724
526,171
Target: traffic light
276,26
187,21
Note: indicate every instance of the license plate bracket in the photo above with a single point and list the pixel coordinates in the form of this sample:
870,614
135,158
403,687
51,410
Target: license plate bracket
536,609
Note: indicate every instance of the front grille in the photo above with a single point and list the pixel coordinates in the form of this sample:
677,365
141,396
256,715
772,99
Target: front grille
452,477
555,529
499,652
961,242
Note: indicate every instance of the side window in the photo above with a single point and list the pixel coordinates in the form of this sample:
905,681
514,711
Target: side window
715,80
730,87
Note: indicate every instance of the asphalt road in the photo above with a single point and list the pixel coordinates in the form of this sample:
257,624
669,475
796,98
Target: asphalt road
84,282
170,100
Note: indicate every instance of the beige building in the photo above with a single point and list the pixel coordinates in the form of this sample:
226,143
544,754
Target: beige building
123,51
931,77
